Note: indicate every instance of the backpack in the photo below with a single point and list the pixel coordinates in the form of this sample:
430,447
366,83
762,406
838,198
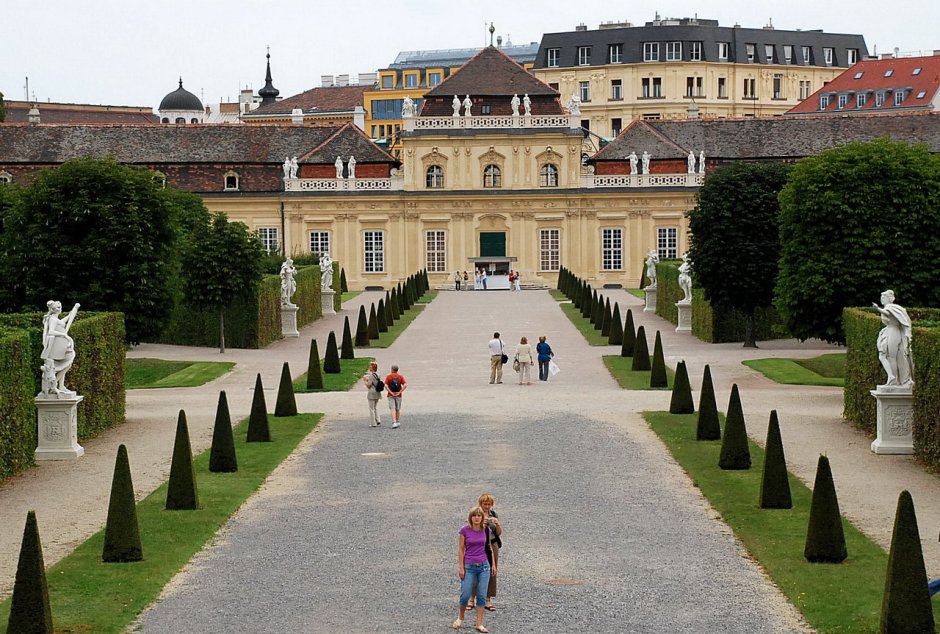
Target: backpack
394,386
377,383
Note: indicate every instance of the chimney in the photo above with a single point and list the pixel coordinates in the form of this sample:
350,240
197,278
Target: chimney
33,115
581,27
296,115
692,111
359,118
326,81
342,80
367,79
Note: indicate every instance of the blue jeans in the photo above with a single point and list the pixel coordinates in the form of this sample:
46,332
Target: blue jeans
474,575
543,370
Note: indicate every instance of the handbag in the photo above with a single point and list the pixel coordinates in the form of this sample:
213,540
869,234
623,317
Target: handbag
553,368
515,365
505,358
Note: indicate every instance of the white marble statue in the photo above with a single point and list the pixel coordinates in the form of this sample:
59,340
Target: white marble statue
646,162
467,105
339,167
894,341
288,283
294,167
515,105
58,349
286,167
352,167
634,169
574,105
527,104
652,259
326,272
455,104
701,162
407,108
691,161
685,279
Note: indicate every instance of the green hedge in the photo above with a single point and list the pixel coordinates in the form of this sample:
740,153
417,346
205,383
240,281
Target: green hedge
926,349
97,374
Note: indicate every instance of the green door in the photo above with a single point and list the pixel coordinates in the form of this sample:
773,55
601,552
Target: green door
492,243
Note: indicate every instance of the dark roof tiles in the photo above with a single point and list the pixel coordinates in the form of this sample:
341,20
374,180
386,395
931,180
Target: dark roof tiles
327,99
491,72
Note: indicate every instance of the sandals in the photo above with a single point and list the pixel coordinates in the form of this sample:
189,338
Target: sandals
480,628
489,608
456,625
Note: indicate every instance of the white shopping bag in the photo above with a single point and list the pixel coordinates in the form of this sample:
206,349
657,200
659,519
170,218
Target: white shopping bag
553,368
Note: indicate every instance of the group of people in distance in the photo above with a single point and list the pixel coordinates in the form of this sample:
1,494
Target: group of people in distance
394,386
523,359
478,547
480,280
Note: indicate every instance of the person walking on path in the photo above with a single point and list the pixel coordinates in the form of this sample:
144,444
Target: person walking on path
518,286
491,520
512,280
473,566
496,359
545,354
524,357
466,282
457,281
371,381
395,385
483,279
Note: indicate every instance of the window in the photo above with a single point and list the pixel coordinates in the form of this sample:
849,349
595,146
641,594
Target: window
889,72
859,74
806,89
787,53
434,79
860,100
650,51
778,86
804,50
851,56
693,86
548,175
586,125
673,51
231,181
695,51
194,120
389,108
916,71
551,57
165,120
319,242
492,176
549,249
388,81
722,88
7,177
841,101
614,53
879,98
411,80
827,55
436,251
611,249
750,88
375,132
616,126
584,56
823,102
585,87
723,48
898,97
486,109
180,120
159,178
751,52
652,87
769,53
667,242
553,85
651,116
435,177
373,251
269,239
616,89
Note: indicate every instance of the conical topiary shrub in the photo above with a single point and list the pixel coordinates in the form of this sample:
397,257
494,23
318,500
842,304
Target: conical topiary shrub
399,301
314,376
906,606
222,457
373,324
775,484
286,403
380,316
258,428
587,301
343,288
362,329
331,359
708,426
641,351
606,319
597,311
629,336
30,611
403,297
121,532
681,401
658,377
825,537
615,338
735,454
346,349
389,318
181,493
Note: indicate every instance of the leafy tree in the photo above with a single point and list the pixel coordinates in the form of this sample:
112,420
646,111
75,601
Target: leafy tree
854,221
735,241
221,263
3,109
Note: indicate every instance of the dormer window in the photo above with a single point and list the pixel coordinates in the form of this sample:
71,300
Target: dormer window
231,181
898,97
823,102
889,72
916,71
921,94
859,74
860,100
5,177
843,100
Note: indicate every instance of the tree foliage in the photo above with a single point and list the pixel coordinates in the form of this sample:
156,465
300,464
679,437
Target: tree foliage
3,109
735,237
854,221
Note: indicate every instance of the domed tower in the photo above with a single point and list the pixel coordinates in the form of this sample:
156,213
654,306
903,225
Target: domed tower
181,106
269,93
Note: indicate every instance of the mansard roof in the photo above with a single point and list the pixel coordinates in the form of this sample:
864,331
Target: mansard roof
492,73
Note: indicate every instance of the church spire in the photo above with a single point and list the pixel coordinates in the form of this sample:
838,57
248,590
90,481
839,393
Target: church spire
269,93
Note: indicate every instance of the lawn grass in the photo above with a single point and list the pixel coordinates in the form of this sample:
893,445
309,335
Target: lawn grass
351,371
348,295
386,339
90,596
834,598
154,373
619,368
591,334
636,292
828,369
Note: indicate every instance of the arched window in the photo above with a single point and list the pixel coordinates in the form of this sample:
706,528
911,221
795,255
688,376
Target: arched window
194,120
5,177
492,176
165,120
180,120
159,178
435,177
548,175
231,181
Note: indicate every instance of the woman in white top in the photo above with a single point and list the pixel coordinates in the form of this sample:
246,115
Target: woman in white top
524,357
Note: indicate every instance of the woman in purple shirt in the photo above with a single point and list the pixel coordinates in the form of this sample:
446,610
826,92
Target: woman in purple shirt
473,567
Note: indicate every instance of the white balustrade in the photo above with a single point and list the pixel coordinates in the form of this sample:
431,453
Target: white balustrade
642,180
342,184
489,122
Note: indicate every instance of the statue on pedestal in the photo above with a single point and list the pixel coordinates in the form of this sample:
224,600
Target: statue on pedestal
326,272
646,162
515,105
634,169
58,349
652,259
288,283
701,162
894,341
691,161
455,104
685,279
527,104
467,104
407,108
294,167
352,167
574,105
339,167
286,167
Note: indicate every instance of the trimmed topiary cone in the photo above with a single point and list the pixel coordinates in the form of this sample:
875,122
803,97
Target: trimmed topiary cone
362,329
681,401
708,426
597,311
121,533
30,611
658,377
641,351
825,538
629,336
735,454
314,375
906,607
258,428
181,493
396,308
222,457
380,316
775,485
331,359
606,319
587,302
286,403
389,318
346,350
343,288
615,338
402,300
373,324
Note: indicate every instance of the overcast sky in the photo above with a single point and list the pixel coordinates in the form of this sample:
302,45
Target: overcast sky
126,52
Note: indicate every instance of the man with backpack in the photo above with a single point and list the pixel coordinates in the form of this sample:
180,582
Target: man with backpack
395,384
374,387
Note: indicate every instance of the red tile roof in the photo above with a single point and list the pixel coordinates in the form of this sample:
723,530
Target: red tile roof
917,77
18,112
317,100
491,72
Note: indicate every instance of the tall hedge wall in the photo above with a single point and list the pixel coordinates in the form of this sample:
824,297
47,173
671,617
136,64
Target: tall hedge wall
926,350
17,413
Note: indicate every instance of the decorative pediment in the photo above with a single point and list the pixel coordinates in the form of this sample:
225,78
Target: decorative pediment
492,157
493,222
548,155
434,157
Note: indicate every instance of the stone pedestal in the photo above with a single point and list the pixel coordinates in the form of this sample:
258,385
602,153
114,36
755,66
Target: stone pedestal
650,299
327,296
58,427
685,317
289,320
895,418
